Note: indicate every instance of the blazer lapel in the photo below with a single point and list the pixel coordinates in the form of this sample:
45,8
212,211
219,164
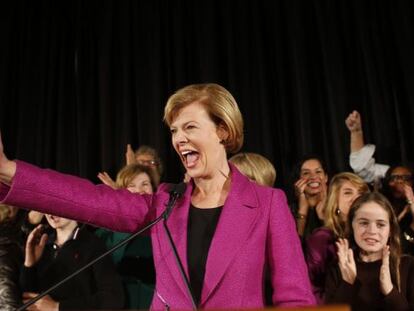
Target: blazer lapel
177,224
236,221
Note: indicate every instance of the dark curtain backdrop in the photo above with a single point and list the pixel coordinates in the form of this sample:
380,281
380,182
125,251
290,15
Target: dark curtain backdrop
81,79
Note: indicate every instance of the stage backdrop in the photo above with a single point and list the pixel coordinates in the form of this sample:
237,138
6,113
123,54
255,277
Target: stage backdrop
81,79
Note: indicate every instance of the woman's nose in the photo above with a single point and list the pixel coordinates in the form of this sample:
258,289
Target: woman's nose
372,228
313,175
180,137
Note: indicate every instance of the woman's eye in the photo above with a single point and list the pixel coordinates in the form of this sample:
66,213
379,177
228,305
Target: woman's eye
173,131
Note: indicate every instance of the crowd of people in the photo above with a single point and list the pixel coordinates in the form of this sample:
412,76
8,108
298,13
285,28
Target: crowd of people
343,239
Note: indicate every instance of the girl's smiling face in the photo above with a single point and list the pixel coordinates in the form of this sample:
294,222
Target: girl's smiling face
371,229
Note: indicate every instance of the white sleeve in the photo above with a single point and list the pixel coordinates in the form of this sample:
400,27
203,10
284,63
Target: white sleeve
363,164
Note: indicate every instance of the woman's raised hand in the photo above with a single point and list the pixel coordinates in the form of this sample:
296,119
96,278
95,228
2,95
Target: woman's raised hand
7,167
106,179
35,245
130,155
300,186
385,274
346,261
46,303
353,122
409,196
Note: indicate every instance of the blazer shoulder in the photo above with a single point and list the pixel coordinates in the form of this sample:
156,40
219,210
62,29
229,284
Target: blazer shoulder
269,196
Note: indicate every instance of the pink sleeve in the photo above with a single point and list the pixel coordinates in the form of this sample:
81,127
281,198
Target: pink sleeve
76,198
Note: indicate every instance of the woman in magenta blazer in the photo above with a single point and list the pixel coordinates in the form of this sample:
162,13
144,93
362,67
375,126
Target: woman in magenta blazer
226,228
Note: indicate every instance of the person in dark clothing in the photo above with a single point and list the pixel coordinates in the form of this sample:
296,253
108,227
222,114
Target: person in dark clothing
134,261
11,256
398,188
377,277
320,250
50,259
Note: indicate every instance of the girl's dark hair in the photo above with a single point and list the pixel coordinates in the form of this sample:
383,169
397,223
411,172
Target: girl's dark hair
394,237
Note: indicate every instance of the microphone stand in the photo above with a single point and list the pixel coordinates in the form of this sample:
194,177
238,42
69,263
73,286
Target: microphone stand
179,264
175,193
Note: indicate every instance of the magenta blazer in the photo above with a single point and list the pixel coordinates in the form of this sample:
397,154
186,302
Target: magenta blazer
255,228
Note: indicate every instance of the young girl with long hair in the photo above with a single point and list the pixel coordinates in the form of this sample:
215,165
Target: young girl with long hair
371,273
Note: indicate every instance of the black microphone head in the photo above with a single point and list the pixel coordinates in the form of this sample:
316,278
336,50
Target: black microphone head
178,189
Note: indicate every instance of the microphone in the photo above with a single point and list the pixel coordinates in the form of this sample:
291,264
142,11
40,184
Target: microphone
178,189
175,191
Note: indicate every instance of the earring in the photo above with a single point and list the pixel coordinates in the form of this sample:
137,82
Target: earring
338,211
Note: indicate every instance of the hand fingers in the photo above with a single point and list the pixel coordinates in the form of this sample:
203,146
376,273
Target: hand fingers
346,243
301,183
100,176
33,307
105,178
341,250
29,295
103,174
386,255
298,182
350,256
353,119
408,191
43,240
34,234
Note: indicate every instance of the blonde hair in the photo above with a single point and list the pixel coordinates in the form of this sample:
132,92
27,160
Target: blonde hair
333,218
219,104
7,212
256,167
128,173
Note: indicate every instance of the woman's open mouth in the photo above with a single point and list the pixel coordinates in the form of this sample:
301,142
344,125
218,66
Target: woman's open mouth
190,158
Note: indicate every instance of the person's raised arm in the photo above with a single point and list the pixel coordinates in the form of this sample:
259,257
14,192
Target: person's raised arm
7,167
354,125
361,157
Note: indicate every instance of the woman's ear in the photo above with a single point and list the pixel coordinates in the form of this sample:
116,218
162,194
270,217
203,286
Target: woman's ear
222,133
